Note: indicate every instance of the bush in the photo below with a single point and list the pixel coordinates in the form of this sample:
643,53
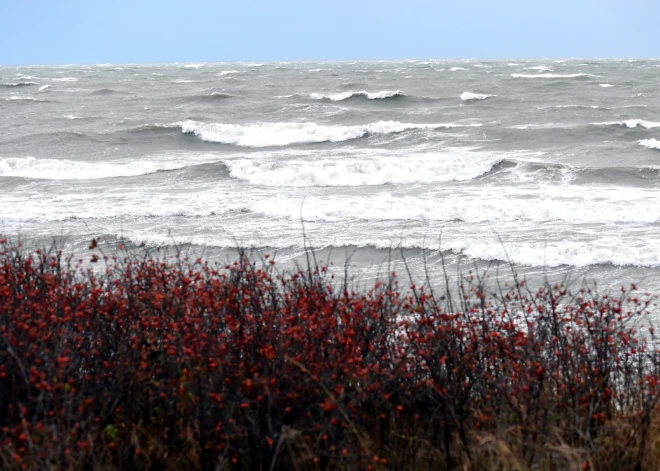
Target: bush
169,363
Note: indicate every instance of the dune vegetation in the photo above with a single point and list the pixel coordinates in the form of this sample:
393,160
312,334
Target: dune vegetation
153,362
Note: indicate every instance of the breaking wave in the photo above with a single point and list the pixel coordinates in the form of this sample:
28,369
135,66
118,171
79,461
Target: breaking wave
284,134
56,169
469,96
19,84
416,168
631,123
650,143
382,95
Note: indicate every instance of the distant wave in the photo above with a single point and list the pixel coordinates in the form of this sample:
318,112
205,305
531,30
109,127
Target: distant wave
469,96
22,99
106,91
540,68
456,69
650,143
363,171
228,72
382,95
65,79
44,87
19,84
551,76
283,134
631,123
220,95
606,85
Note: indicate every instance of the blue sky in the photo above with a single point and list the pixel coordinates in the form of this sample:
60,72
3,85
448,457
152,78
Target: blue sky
93,31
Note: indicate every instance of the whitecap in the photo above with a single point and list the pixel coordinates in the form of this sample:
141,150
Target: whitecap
650,143
631,123
341,96
284,134
606,85
469,96
64,169
451,165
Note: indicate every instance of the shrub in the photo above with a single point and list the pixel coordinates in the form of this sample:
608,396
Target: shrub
169,363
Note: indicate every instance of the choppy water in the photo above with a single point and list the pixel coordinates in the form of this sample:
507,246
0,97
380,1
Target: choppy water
560,160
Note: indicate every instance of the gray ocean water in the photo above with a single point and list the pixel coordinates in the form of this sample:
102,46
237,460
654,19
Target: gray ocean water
553,165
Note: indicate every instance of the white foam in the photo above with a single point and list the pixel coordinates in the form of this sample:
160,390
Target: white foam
469,96
606,85
283,134
650,143
44,87
65,79
318,70
567,204
606,250
451,165
456,69
540,68
193,66
346,95
630,123
228,72
63,169
551,76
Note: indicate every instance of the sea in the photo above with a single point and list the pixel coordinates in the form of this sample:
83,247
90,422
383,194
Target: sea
546,168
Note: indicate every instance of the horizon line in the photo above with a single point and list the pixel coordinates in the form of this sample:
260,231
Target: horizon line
272,61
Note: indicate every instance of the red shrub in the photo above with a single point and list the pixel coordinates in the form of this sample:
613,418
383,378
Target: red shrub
161,364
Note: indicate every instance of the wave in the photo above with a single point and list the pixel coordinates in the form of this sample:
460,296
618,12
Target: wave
382,95
454,165
540,68
469,96
228,72
106,91
65,79
552,76
19,84
44,87
56,169
606,85
631,123
456,69
650,143
284,134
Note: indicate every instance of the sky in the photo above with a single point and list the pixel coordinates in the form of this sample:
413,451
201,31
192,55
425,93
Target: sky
139,31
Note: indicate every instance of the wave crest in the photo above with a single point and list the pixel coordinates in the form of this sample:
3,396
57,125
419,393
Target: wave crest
631,123
19,84
341,96
650,143
284,134
419,168
470,96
